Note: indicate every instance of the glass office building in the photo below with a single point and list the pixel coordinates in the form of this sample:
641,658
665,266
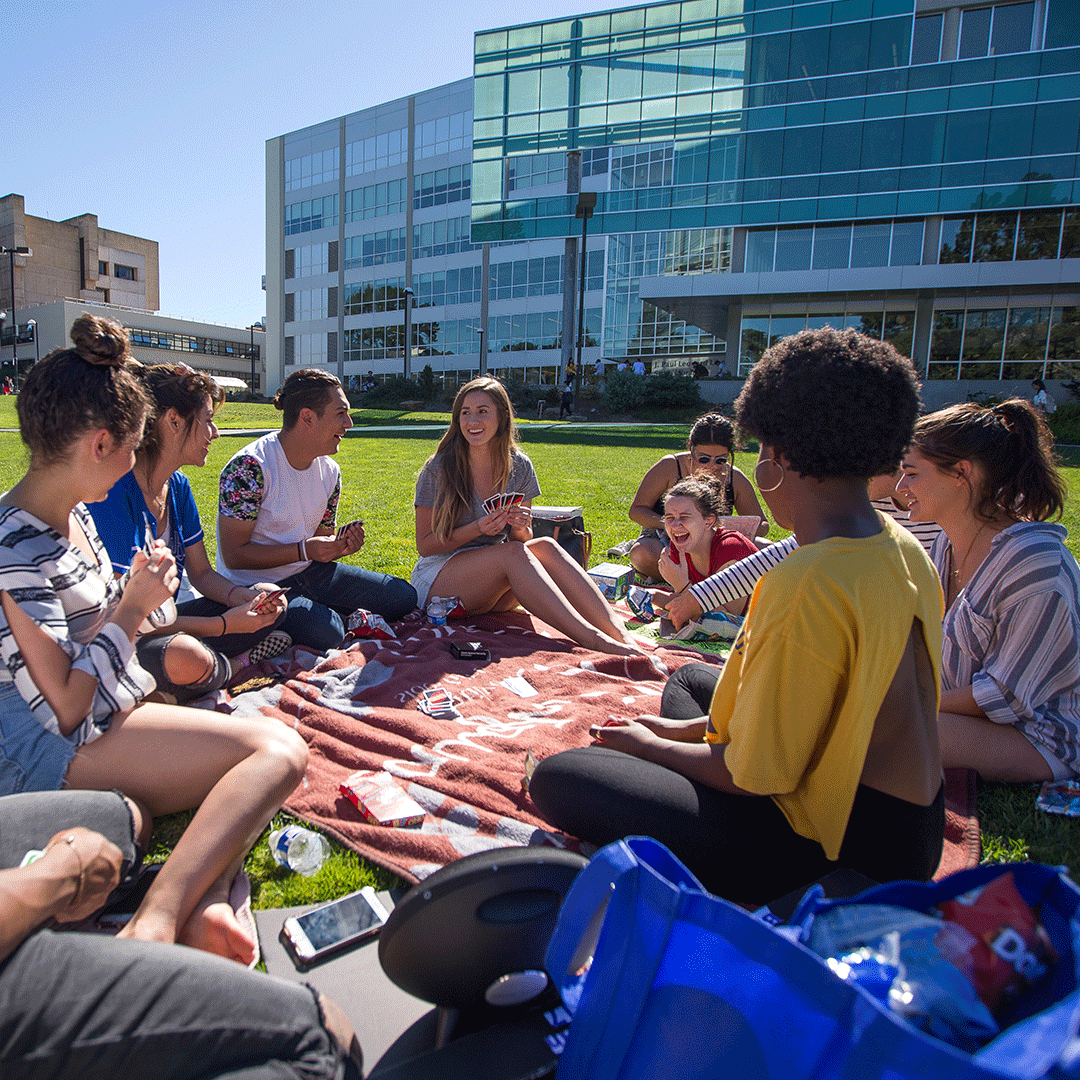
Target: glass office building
906,167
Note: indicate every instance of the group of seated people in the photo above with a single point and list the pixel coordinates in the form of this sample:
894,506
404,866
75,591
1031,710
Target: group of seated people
862,667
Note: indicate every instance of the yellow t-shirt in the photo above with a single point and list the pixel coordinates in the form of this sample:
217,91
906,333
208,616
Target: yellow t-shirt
823,637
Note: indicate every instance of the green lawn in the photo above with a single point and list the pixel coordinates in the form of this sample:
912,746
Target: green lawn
598,468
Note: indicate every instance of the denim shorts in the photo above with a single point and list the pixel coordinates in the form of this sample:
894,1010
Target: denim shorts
31,758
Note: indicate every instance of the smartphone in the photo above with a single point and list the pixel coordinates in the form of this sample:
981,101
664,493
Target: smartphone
269,598
332,927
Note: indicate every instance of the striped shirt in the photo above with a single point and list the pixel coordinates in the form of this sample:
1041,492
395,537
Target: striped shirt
1013,635
70,598
739,579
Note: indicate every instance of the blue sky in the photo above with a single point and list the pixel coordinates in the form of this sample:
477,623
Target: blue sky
155,116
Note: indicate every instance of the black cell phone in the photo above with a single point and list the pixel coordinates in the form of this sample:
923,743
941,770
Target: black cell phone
469,650
333,927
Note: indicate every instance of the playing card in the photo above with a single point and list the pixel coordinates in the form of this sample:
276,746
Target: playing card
519,686
438,704
515,498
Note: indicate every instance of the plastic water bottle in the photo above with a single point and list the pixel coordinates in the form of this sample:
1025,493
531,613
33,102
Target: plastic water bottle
436,611
299,849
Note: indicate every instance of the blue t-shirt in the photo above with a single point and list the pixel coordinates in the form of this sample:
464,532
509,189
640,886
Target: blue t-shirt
121,520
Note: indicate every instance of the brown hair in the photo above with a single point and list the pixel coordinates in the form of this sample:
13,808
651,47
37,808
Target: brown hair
308,388
73,391
1014,447
174,386
454,486
712,429
706,491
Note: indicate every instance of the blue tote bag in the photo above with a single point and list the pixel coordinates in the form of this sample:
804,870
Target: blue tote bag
683,984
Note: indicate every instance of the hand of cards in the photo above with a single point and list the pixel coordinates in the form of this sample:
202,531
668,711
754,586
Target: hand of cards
502,500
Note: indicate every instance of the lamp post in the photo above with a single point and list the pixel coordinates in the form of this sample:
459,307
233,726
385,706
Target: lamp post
483,355
253,355
585,205
11,253
32,324
408,331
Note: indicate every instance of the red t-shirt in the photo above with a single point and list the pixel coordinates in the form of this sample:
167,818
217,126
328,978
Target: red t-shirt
727,546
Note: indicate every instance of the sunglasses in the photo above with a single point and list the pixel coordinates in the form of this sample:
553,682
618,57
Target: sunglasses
704,459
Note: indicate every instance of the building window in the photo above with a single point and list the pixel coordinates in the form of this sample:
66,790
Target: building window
434,238
375,200
442,186
125,273
377,152
313,214
375,249
995,31
926,39
309,260
442,135
102,269
535,170
317,168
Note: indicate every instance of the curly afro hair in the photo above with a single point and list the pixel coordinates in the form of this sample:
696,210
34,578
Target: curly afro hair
835,403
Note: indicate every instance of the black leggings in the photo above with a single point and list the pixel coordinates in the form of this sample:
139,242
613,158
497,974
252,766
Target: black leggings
740,846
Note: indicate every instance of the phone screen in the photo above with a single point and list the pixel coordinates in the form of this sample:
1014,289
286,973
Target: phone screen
339,921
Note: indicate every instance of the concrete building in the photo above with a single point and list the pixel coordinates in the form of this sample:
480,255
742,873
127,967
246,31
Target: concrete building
233,355
906,167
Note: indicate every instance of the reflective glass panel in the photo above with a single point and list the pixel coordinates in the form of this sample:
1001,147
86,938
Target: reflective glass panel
1070,236
754,341
759,251
870,244
984,337
832,247
1012,29
926,39
1038,234
907,243
868,323
956,240
784,326
974,33
1026,337
945,339
1065,334
793,249
994,237
899,329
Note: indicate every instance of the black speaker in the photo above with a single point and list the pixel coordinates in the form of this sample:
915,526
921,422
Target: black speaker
473,935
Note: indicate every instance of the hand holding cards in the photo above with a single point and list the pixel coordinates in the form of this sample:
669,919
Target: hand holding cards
502,501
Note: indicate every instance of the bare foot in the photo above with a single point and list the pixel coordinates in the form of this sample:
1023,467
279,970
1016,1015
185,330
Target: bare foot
151,926
606,644
213,927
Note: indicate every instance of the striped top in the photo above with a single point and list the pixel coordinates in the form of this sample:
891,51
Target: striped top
70,599
926,532
1013,635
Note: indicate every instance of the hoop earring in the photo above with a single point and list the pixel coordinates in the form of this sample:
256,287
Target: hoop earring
769,461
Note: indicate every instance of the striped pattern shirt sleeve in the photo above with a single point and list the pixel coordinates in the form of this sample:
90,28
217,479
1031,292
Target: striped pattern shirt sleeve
52,582
739,579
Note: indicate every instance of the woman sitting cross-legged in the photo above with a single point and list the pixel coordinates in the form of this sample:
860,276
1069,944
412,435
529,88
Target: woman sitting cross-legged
215,635
71,688
1010,700
816,745
490,559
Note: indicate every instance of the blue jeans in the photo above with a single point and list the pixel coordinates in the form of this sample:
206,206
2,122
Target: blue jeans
323,594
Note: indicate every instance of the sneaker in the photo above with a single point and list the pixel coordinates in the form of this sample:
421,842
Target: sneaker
639,601
620,551
274,644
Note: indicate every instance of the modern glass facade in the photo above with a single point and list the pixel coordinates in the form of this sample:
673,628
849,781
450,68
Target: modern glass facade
908,167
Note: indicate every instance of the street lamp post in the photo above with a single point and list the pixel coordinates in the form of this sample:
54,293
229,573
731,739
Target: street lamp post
408,331
11,253
483,355
32,323
585,204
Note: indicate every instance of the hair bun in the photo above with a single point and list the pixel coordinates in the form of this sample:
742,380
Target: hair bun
100,341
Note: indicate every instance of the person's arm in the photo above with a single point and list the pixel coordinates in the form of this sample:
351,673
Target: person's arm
427,543
242,602
746,501
519,518
674,573
700,761
732,583
653,485
92,680
68,883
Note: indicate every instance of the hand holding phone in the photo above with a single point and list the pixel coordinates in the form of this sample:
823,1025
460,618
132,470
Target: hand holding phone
269,600
333,927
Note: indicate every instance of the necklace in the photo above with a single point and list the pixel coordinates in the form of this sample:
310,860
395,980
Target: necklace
957,570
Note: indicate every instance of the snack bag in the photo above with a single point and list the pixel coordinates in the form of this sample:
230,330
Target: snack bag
1009,949
366,624
377,795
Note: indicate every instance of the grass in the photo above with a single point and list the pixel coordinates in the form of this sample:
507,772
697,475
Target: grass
598,468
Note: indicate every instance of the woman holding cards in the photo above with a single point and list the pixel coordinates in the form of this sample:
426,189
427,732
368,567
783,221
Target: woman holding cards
224,627
486,555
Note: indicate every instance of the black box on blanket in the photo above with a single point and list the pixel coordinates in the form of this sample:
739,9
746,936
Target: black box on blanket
469,650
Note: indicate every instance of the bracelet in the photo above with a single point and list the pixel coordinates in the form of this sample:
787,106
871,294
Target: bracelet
302,548
74,901
224,625
228,598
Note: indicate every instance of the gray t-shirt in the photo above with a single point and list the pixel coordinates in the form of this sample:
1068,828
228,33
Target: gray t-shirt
522,479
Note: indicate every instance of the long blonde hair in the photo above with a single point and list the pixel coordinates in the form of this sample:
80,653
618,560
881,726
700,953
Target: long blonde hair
454,485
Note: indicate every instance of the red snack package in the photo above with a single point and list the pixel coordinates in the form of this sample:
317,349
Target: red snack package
378,797
1010,949
455,609
367,624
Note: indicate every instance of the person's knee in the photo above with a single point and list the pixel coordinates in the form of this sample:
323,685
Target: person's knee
287,755
400,599
187,660
544,547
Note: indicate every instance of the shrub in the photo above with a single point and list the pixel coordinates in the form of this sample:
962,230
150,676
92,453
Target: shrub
426,382
392,392
524,396
1065,423
628,393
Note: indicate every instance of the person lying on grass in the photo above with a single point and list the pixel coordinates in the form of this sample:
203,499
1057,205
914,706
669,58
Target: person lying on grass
490,559
815,746
72,713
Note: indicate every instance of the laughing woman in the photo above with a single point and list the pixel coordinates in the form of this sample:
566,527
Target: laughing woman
491,561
